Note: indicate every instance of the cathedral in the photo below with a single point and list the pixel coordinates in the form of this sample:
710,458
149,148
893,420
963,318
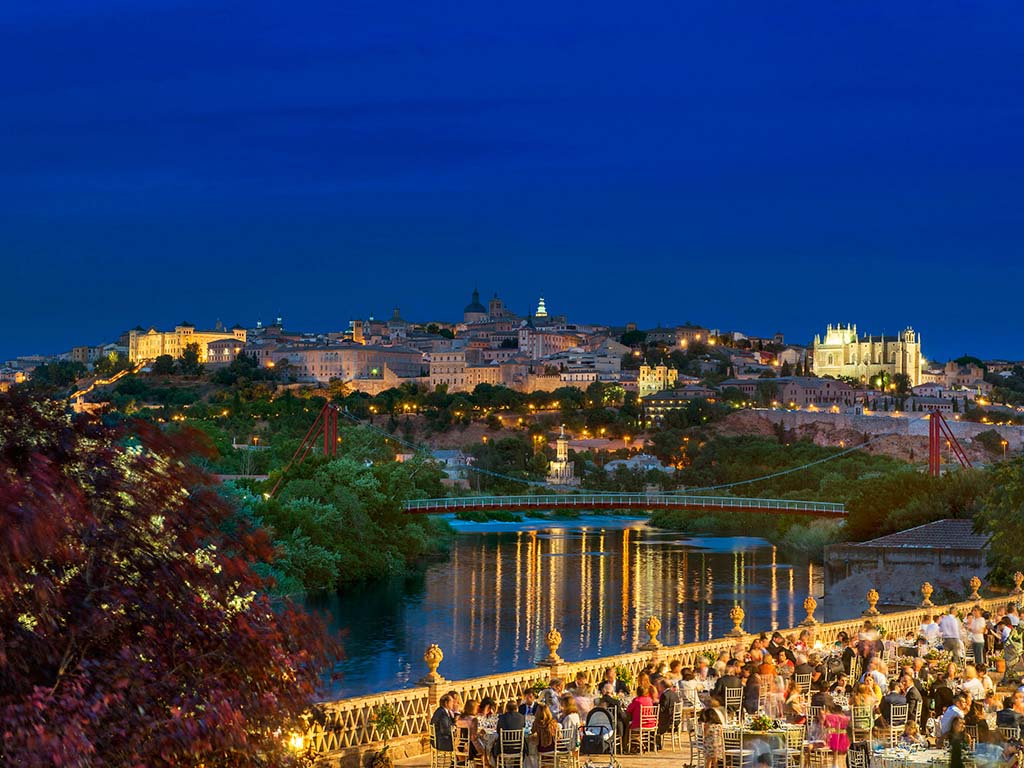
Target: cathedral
841,354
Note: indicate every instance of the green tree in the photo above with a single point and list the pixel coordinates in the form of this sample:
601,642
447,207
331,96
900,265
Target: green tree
902,382
1002,517
188,363
163,366
57,374
108,365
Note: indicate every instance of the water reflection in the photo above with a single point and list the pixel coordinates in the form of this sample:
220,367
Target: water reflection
491,605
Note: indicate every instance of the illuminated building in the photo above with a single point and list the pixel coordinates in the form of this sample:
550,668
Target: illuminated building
655,379
842,354
144,346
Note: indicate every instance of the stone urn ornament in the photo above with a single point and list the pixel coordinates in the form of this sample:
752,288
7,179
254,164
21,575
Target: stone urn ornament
553,639
810,604
653,627
1018,578
926,593
433,657
736,615
872,598
975,585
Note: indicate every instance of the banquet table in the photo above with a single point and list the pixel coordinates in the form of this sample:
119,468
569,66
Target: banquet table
920,758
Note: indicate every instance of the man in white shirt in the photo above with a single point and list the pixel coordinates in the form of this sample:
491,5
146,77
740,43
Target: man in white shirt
1012,615
976,628
949,629
957,709
930,631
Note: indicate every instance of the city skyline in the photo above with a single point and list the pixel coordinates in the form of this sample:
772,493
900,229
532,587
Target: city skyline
740,167
10,348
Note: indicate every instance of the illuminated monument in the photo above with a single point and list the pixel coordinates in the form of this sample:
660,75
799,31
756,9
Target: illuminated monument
560,471
843,354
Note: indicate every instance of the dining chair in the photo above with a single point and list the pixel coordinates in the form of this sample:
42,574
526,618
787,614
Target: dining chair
898,714
736,755
645,736
791,753
510,748
677,725
440,758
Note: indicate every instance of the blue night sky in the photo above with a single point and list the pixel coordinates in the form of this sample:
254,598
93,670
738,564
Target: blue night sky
757,166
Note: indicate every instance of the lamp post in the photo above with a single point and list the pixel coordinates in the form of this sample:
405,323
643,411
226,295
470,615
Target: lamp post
1004,444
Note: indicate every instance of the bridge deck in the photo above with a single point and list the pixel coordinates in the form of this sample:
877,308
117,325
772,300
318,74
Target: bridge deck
637,501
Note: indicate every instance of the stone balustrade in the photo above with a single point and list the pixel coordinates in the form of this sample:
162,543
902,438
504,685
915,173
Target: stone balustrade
341,732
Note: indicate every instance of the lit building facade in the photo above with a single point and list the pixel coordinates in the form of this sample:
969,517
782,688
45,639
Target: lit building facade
843,354
657,378
146,346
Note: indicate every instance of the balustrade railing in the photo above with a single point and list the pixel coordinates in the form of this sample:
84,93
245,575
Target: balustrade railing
348,724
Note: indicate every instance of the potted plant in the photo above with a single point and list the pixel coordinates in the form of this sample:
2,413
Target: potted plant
386,720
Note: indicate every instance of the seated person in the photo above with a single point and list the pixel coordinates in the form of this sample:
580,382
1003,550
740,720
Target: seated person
510,720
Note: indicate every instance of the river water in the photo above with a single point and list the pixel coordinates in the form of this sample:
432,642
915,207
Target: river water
596,579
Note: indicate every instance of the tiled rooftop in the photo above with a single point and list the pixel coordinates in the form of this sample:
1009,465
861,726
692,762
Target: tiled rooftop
942,534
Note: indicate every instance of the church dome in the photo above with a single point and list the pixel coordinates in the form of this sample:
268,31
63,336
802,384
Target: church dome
475,307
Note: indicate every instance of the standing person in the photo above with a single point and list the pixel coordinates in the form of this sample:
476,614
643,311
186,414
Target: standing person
977,627
949,629
552,696
930,630
443,720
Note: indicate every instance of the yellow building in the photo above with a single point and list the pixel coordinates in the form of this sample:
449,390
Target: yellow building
655,379
144,346
842,354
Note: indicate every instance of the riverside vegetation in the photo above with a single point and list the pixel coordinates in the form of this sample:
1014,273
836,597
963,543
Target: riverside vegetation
338,522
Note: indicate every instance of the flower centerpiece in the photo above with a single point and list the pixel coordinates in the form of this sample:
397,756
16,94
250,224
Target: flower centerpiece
761,722
538,685
882,631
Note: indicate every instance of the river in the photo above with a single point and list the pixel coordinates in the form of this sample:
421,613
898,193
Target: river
596,579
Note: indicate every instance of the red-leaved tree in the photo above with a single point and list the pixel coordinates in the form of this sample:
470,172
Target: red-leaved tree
132,630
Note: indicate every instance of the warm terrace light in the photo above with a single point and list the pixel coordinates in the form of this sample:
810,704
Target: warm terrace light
297,741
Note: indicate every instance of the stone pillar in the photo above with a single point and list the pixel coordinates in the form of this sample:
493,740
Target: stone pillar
433,657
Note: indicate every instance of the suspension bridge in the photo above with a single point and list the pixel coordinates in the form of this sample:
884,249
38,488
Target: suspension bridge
635,501
325,428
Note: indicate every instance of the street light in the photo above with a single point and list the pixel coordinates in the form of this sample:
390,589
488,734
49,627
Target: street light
1004,444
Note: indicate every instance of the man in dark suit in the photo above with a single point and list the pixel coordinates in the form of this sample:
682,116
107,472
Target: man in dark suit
729,681
443,720
668,697
821,697
893,698
529,702
510,720
913,696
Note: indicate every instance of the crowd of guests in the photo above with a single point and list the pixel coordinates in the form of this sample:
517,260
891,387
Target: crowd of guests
848,691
